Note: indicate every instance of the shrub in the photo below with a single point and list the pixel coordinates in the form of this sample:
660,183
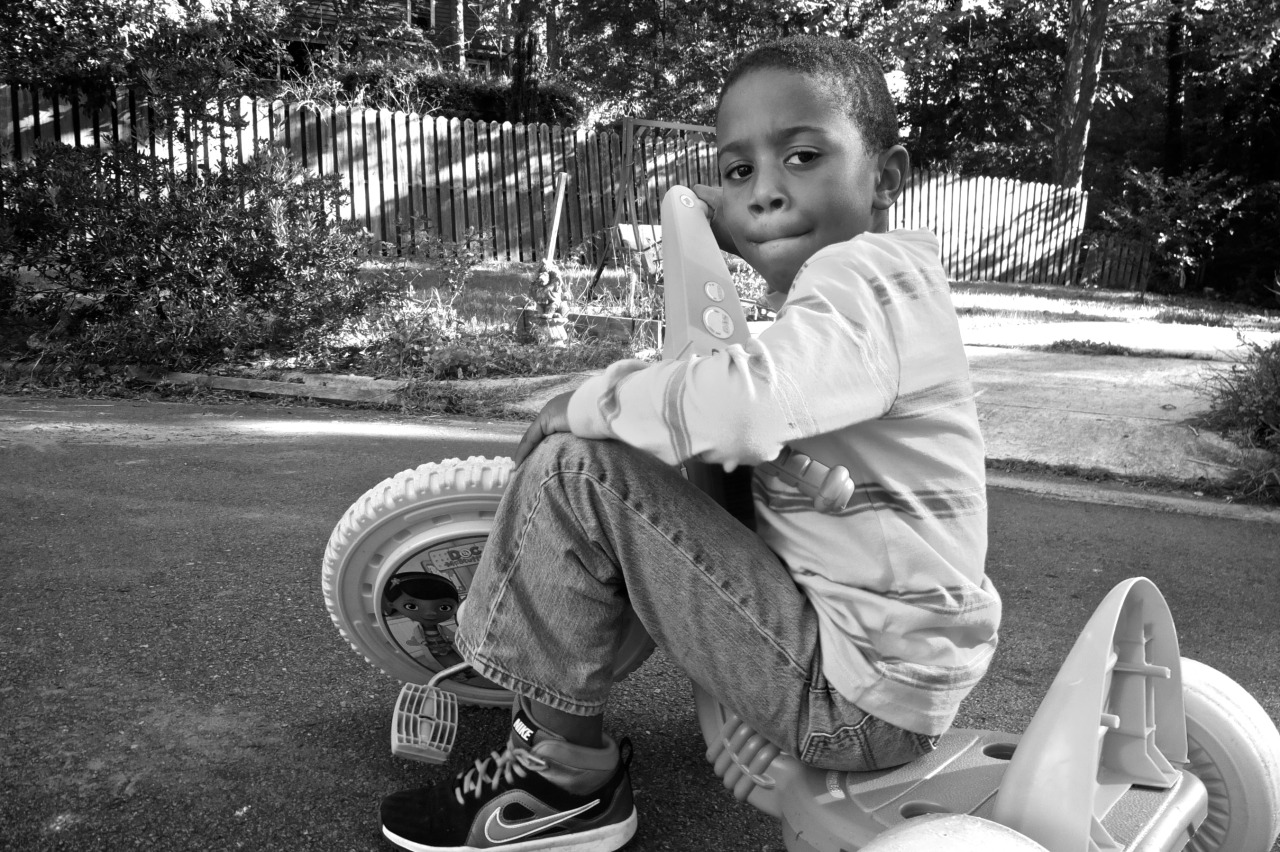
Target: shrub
1247,261
1087,347
399,335
1184,219
1245,407
128,262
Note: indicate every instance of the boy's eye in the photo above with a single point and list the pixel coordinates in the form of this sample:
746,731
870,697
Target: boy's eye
800,158
737,172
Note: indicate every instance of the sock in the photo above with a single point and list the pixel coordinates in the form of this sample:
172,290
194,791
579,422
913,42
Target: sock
577,768
582,730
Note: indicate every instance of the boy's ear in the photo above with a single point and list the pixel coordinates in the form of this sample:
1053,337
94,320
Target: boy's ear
895,169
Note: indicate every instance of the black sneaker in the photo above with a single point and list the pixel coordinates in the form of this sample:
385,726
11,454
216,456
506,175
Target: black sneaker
541,793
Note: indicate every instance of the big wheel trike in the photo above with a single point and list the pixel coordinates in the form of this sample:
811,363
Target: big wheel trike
1133,747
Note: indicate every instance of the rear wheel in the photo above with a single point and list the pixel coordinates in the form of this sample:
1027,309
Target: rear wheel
401,561
1234,748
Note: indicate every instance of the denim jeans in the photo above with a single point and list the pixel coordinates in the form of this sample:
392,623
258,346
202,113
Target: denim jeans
588,528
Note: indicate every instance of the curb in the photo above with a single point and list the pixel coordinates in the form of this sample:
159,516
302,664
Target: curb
320,386
1103,495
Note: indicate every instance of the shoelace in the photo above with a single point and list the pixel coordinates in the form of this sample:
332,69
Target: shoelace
506,766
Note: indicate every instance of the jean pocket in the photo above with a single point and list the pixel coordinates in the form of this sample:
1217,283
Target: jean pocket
845,738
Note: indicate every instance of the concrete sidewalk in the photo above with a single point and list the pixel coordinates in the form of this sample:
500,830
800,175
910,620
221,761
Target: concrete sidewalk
1132,417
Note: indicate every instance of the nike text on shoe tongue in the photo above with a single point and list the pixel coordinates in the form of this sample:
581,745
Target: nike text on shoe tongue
524,727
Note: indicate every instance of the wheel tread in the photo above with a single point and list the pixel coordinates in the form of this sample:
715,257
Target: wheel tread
475,474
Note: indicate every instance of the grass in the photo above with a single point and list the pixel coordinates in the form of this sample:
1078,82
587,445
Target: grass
1086,347
1200,316
990,304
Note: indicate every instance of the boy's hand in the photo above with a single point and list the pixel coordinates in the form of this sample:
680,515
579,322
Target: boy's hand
711,197
554,417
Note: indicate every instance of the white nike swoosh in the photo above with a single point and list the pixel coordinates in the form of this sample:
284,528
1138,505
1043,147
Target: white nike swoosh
498,830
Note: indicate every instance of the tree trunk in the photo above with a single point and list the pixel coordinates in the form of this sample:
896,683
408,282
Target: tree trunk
460,11
522,104
552,44
1175,65
1086,39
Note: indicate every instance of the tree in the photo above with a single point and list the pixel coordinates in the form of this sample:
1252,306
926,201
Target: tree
85,47
664,59
1086,36
187,54
527,61
460,33
975,84
1175,65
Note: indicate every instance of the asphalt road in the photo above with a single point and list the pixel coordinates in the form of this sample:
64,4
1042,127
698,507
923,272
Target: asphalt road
170,679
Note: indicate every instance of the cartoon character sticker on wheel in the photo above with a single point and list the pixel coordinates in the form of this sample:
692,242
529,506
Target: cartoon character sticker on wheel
428,600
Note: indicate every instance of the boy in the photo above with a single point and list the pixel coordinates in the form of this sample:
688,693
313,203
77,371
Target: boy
847,638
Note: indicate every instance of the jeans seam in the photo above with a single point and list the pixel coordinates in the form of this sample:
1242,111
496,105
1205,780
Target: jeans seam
506,571
800,669
487,668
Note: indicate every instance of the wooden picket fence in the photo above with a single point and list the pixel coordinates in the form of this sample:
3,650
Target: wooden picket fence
997,229
1113,262
409,174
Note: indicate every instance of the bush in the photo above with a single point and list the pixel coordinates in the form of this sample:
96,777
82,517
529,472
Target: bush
1183,218
1245,407
128,262
1247,261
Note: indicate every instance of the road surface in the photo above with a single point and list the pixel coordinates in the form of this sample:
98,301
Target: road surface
170,679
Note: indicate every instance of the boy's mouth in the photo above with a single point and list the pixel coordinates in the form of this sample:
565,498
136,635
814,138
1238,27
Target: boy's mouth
761,240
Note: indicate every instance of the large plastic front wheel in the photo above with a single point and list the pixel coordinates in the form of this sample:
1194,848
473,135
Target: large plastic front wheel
1234,748
401,560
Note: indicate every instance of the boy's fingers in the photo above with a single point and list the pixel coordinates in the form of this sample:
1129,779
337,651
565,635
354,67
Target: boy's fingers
554,417
836,490
532,437
709,196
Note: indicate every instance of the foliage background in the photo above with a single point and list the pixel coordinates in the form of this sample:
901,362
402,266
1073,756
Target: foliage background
1166,111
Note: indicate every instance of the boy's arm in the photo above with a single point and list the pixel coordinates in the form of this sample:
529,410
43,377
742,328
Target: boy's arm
827,362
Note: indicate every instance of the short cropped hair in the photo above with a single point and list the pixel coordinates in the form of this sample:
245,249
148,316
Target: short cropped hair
851,73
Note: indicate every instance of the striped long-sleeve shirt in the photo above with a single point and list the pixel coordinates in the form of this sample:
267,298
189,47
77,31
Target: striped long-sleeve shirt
863,367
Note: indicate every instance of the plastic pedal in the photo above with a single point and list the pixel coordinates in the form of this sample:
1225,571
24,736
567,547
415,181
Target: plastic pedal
425,722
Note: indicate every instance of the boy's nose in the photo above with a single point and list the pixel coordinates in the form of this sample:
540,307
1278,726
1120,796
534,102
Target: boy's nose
768,203
768,194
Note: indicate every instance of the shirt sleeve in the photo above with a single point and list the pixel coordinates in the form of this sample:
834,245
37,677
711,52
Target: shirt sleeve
827,361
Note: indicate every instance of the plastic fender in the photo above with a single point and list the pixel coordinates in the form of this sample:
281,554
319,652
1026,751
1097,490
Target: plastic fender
952,833
1112,718
1234,748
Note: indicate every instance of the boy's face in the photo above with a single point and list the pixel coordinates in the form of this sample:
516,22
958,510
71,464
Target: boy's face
796,176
